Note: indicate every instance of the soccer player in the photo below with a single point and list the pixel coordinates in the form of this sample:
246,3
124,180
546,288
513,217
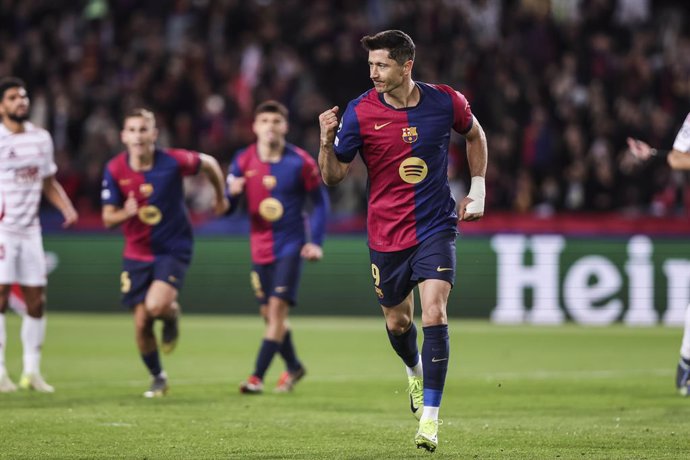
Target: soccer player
401,128
277,178
143,191
27,171
677,158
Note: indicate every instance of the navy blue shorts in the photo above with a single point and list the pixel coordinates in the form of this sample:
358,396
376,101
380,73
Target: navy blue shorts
397,273
137,276
279,279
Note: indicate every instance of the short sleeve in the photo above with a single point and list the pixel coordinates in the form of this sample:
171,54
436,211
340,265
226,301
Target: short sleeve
188,161
49,167
682,142
348,140
110,192
462,114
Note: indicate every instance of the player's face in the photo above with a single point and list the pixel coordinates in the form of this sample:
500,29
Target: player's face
139,135
385,72
15,104
270,128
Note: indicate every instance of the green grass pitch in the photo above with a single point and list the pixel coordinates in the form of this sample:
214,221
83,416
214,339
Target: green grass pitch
512,392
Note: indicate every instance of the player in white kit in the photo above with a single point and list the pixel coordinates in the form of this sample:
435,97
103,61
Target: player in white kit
27,171
677,158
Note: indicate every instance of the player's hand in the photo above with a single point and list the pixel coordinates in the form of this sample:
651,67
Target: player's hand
71,217
470,210
328,121
472,206
236,185
221,206
311,252
639,149
131,207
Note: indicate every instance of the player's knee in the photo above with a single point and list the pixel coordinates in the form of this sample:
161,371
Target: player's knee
434,315
35,309
399,324
155,308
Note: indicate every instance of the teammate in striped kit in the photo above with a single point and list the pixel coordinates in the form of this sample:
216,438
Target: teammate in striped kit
143,192
677,158
277,178
27,171
401,129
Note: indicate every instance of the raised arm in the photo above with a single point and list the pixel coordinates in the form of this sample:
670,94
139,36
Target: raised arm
54,192
333,171
472,206
211,168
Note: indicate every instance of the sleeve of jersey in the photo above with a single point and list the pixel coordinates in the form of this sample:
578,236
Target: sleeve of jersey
110,192
462,114
317,219
189,162
234,171
49,167
682,142
348,139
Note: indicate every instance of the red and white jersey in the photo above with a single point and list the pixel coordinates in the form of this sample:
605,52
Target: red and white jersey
682,142
26,158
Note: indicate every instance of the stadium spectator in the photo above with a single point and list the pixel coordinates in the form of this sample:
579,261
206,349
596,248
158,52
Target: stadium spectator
142,191
588,64
276,178
677,158
27,171
401,129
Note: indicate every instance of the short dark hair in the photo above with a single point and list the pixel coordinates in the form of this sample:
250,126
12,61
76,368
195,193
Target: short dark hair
8,83
271,106
399,45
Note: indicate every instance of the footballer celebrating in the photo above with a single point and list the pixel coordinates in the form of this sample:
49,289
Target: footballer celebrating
401,128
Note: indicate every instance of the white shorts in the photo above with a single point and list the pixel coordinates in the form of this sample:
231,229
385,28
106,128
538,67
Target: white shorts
22,259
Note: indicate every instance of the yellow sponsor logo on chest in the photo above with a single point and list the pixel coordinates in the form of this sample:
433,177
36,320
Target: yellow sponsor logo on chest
413,170
150,215
271,209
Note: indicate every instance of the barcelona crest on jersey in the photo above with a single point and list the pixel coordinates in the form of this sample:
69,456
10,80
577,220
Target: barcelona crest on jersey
409,134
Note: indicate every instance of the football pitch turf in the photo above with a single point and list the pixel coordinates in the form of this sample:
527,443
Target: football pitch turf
512,392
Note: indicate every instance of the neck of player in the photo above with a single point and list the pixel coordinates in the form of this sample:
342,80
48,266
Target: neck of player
270,152
141,161
403,96
12,125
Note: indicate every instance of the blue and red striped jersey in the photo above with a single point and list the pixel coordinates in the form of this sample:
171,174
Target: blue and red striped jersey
406,155
162,225
276,195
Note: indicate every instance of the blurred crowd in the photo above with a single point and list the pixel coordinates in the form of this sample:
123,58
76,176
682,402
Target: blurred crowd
557,85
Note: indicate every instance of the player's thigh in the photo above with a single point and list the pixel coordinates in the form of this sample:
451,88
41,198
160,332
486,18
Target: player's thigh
392,276
435,258
135,279
9,255
286,275
31,264
160,295
261,281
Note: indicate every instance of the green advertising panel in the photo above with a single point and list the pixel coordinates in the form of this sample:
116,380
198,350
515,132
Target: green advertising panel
542,279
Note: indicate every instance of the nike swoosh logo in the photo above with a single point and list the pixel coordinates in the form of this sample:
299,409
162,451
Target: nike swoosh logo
436,360
377,126
443,269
